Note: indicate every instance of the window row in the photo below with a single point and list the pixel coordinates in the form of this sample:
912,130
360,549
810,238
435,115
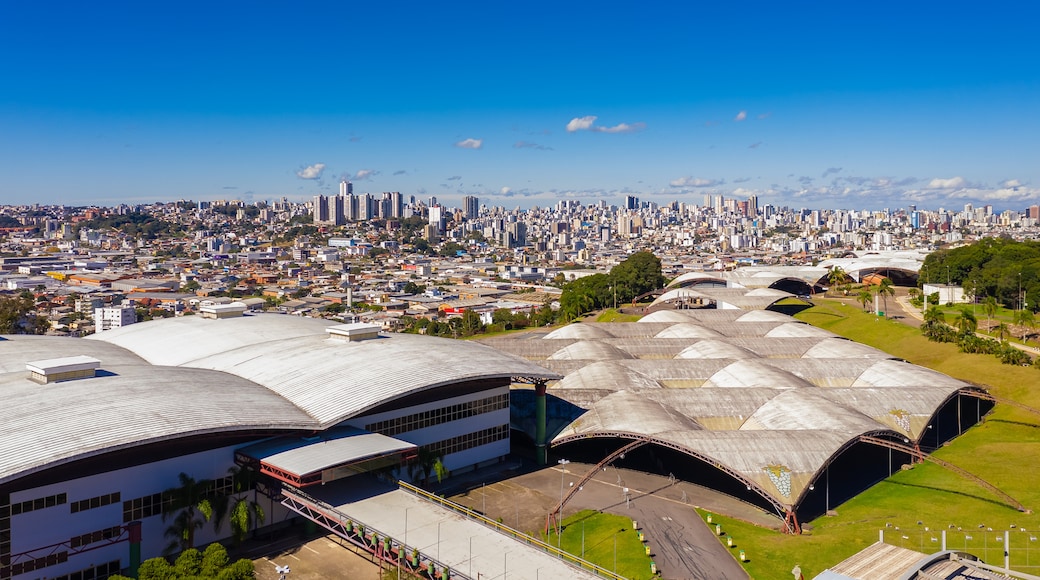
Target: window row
35,564
100,572
143,507
464,442
433,417
94,502
33,504
98,536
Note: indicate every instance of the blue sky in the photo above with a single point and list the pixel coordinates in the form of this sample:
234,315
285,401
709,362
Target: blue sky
812,104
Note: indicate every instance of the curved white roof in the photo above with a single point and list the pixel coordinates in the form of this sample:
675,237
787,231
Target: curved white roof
187,376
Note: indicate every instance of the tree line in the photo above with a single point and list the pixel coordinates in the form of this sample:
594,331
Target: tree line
1004,269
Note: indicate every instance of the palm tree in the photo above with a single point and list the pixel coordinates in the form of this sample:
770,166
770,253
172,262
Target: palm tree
189,506
1026,319
886,289
837,276
1002,331
865,297
240,511
966,322
934,315
244,515
990,307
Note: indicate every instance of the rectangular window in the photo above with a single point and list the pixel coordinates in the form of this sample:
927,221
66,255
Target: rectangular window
94,537
446,414
142,507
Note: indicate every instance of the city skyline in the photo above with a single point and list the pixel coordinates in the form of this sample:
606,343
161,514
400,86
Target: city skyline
827,106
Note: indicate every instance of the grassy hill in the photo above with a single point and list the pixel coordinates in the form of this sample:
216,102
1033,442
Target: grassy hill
1004,450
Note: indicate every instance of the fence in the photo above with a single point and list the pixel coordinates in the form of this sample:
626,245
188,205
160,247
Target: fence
567,557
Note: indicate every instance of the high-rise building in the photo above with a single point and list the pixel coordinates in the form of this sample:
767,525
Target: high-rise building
346,188
436,218
364,205
470,207
321,209
631,202
396,205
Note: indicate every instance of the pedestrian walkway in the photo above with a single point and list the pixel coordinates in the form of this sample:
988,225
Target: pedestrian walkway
464,545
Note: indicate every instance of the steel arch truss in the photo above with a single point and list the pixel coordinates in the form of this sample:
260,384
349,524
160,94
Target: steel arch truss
791,525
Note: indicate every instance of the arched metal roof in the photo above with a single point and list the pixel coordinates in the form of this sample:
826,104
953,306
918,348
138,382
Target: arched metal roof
189,376
769,400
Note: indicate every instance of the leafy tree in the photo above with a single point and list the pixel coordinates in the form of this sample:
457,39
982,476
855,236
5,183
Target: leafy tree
214,559
449,249
638,274
212,564
413,288
156,569
18,316
189,563
471,323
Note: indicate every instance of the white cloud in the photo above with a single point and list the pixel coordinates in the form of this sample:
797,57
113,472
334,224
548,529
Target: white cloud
311,171
1011,183
364,174
951,183
470,144
740,116
588,123
505,190
581,123
693,182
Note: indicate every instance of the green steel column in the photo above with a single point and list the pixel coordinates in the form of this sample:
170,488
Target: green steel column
539,421
135,548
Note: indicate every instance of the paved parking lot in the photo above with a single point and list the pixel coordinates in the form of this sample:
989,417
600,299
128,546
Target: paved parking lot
320,558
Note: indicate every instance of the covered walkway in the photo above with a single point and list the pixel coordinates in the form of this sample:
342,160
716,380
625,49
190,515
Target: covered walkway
444,537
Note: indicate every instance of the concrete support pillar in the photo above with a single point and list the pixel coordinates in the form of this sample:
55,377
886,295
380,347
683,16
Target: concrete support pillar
134,529
539,422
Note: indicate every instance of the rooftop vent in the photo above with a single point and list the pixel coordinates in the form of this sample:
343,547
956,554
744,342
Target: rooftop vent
62,369
354,332
222,310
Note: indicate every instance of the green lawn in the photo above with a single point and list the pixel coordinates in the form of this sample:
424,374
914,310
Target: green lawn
1004,450
599,531
614,315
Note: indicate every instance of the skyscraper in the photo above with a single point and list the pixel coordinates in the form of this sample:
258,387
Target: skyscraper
470,207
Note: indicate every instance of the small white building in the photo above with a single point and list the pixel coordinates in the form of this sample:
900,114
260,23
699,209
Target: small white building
111,317
947,293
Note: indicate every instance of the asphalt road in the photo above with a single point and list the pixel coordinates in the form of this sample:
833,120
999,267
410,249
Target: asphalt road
682,544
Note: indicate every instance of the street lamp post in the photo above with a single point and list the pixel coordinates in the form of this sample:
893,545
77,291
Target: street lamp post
400,549
559,515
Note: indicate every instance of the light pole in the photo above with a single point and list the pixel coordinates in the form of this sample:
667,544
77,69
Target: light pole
400,549
505,565
471,556
559,515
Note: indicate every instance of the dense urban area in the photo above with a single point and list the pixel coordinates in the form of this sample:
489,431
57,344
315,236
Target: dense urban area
415,265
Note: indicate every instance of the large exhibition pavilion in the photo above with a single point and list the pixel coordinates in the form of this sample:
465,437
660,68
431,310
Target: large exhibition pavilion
95,430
